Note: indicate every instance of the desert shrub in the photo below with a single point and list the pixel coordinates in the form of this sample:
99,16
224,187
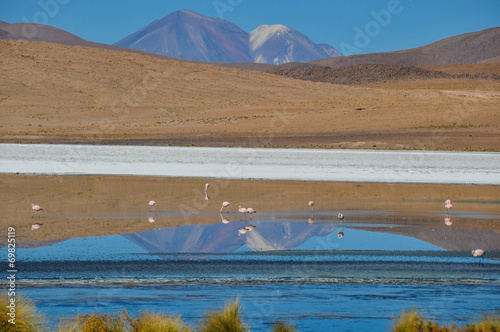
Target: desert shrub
27,318
412,321
96,322
281,326
154,322
227,319
489,323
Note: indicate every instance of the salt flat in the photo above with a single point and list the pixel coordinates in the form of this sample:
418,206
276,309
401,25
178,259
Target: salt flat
386,166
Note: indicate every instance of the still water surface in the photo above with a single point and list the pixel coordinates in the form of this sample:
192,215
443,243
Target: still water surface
299,269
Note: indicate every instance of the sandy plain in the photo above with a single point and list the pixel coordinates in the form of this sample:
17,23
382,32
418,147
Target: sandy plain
56,93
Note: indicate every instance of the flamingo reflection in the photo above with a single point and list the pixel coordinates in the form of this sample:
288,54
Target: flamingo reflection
36,226
152,219
448,221
250,227
224,220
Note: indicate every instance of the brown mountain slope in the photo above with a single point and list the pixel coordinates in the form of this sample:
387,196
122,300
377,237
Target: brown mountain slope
471,47
370,74
58,93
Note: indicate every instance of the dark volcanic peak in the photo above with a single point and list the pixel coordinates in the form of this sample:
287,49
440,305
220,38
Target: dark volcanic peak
368,74
474,47
188,35
279,44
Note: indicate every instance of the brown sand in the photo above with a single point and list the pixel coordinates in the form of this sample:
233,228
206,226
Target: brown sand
58,93
77,206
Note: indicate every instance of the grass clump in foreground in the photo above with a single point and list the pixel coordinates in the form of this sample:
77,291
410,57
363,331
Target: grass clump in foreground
281,326
95,322
122,322
27,318
227,319
413,321
154,322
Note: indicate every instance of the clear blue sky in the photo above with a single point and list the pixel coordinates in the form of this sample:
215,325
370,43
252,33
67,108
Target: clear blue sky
412,23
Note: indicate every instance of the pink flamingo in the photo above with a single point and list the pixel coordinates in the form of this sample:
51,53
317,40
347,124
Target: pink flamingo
447,204
243,210
311,204
250,212
152,204
479,253
206,186
224,204
340,216
37,209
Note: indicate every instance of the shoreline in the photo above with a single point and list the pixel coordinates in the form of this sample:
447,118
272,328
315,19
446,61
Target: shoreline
83,206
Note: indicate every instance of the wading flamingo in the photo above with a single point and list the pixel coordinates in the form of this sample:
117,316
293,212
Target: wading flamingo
340,216
479,253
152,204
311,204
206,186
250,212
37,209
243,210
447,204
224,204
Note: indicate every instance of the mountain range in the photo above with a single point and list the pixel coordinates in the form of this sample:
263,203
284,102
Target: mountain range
227,42
188,35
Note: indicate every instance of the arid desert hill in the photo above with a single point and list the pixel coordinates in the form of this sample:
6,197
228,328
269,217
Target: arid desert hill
58,93
474,47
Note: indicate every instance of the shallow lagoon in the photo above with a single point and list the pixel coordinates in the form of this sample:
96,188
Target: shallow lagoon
102,248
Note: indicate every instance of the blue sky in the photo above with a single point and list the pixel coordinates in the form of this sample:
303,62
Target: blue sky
401,24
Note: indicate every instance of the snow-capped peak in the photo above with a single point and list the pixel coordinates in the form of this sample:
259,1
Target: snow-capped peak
262,34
